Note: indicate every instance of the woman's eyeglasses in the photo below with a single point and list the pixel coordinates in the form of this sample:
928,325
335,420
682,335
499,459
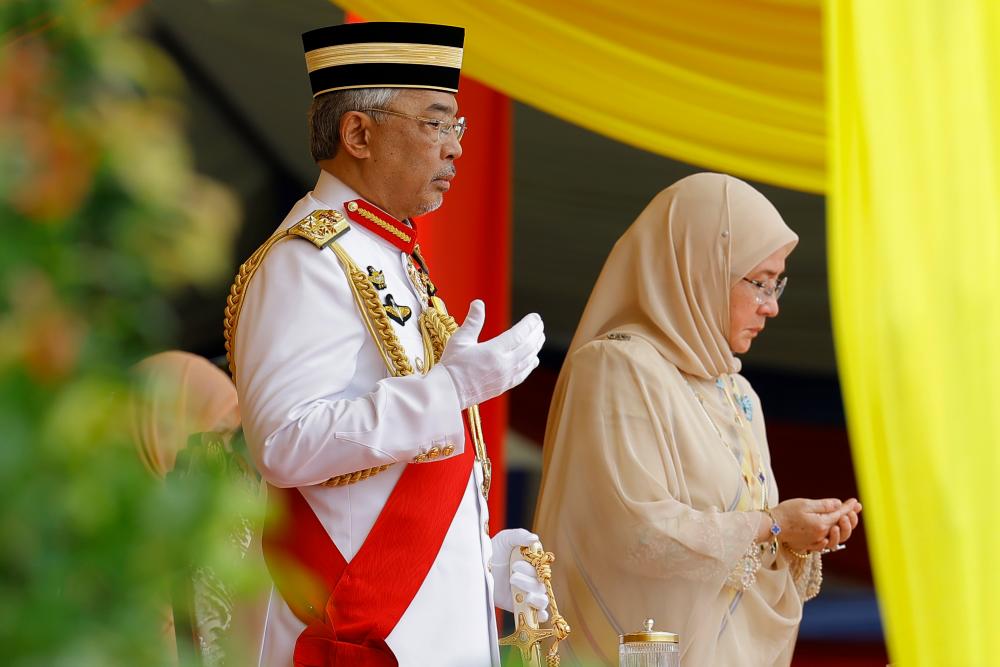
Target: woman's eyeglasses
765,291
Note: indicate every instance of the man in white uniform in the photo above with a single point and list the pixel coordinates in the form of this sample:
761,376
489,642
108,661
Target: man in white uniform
351,392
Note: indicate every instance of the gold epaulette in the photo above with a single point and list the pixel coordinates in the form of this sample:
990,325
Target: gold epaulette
319,227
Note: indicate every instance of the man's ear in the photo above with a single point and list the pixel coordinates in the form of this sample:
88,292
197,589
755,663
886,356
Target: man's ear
355,133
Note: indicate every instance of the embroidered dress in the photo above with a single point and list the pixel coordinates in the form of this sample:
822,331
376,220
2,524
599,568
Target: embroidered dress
648,490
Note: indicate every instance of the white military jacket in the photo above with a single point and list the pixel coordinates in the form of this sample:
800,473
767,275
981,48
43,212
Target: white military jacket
317,402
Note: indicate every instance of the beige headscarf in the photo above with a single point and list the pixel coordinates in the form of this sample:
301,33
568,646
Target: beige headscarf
179,394
643,499
668,278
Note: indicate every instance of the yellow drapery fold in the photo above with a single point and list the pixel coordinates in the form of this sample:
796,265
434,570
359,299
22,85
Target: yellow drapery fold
731,85
914,89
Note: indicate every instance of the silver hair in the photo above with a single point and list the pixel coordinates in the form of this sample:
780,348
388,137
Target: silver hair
327,109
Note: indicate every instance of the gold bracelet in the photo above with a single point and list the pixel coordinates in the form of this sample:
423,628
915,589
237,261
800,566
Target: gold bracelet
797,554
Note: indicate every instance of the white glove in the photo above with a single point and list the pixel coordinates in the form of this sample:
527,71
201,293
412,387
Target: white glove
523,577
482,371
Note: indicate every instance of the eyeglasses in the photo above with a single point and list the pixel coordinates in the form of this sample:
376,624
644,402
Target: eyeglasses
443,127
765,291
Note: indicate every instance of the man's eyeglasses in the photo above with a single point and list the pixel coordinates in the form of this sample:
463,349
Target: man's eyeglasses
443,127
765,291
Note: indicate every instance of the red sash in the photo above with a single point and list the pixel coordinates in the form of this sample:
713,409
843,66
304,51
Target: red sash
350,608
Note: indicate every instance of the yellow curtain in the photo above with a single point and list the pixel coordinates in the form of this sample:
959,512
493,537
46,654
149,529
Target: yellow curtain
731,85
914,89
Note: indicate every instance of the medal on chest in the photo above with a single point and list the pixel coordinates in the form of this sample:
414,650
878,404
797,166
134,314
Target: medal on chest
419,281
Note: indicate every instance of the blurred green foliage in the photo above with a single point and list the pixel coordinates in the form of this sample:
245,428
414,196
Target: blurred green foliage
101,216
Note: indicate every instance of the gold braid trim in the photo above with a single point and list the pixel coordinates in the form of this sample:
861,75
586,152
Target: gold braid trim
319,227
368,215
377,321
542,560
435,323
373,312
437,328
234,302
352,477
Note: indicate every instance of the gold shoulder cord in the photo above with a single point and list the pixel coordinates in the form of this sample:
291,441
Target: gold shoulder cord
436,327
373,313
320,227
323,228
234,302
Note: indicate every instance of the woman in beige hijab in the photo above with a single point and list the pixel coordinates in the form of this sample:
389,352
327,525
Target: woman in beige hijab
179,395
657,491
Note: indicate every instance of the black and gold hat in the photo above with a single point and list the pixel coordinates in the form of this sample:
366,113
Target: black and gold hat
384,55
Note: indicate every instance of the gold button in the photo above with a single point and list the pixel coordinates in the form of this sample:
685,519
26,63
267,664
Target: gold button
448,450
352,206
420,458
434,452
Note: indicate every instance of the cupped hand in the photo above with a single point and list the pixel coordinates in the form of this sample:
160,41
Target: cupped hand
806,524
844,528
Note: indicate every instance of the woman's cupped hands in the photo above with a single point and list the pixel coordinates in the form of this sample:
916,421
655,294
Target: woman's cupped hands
813,525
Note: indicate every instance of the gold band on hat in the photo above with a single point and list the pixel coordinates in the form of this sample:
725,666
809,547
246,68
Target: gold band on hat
384,52
415,86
